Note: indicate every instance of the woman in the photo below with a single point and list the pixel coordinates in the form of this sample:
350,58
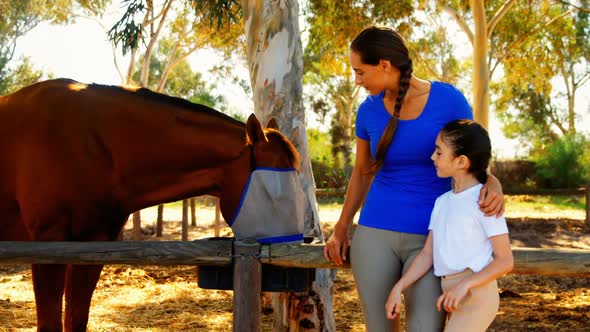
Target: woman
393,175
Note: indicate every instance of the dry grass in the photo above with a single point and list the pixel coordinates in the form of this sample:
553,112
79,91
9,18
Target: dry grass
167,298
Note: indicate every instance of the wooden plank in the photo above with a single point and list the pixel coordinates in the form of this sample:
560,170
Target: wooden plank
559,262
564,262
535,192
546,192
556,262
200,252
297,255
247,287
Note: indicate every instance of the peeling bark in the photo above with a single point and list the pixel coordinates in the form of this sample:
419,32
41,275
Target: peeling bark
276,70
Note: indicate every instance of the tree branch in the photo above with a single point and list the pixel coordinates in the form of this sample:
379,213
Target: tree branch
425,63
498,16
143,80
582,80
522,38
555,120
567,3
460,21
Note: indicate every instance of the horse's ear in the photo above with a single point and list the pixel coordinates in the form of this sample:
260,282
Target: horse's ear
254,130
272,124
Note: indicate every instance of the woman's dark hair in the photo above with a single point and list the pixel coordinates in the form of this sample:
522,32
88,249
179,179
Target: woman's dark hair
379,43
470,139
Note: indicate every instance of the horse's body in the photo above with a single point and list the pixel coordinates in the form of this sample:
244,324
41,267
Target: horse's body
76,160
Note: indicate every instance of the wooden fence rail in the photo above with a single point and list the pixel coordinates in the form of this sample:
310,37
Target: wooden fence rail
562,262
247,261
585,191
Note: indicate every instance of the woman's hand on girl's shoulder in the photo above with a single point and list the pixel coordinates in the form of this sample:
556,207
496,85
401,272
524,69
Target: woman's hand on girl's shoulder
491,197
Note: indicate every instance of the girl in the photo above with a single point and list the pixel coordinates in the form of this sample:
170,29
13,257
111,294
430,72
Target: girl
469,250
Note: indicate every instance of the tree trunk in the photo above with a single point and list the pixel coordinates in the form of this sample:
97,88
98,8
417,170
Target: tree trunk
481,92
145,67
276,70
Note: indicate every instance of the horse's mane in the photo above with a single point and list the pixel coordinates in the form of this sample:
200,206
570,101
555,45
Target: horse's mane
185,104
287,145
170,100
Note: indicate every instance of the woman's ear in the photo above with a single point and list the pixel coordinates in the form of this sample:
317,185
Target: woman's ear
385,64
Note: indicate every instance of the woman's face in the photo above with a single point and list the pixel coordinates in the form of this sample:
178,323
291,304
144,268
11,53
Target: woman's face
374,78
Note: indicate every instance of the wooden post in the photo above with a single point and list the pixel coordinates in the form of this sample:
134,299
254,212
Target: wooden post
588,206
137,226
217,218
185,220
193,212
247,287
160,221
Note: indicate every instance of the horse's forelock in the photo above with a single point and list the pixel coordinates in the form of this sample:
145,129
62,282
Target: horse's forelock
286,144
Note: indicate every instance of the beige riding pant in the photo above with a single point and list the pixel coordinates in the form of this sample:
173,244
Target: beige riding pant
477,310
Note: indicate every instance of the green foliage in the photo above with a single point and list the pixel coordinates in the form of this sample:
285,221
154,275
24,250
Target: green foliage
129,32
565,163
325,172
319,146
23,75
19,17
528,118
536,42
181,80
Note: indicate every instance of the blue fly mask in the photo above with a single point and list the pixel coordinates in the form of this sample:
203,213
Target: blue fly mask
272,207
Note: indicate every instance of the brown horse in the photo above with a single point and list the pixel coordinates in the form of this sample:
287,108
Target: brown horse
77,159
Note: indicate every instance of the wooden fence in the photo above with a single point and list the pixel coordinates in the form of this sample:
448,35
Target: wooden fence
585,191
247,259
559,262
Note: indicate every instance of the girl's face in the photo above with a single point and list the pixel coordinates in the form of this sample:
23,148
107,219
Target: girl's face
444,159
374,78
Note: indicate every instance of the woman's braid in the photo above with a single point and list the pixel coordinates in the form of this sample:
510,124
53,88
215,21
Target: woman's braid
387,137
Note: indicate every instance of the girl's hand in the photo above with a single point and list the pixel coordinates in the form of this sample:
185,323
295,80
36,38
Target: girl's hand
451,299
337,245
491,197
393,306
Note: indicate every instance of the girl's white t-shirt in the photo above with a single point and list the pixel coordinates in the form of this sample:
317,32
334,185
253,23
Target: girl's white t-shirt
461,232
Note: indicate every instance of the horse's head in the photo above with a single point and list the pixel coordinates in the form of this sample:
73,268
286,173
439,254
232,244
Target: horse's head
272,202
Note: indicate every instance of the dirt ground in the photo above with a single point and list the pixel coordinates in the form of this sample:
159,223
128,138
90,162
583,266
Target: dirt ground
154,298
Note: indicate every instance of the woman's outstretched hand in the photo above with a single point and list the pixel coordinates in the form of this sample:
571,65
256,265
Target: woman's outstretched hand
393,307
337,245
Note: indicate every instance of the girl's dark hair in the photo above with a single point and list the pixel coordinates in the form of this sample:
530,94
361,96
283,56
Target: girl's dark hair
470,139
380,43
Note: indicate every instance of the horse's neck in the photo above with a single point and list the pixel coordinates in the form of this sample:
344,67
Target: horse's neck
173,154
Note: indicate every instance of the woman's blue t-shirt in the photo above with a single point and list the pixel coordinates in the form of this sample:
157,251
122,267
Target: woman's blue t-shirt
404,190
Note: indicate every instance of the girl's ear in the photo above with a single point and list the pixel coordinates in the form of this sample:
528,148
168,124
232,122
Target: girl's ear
463,162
